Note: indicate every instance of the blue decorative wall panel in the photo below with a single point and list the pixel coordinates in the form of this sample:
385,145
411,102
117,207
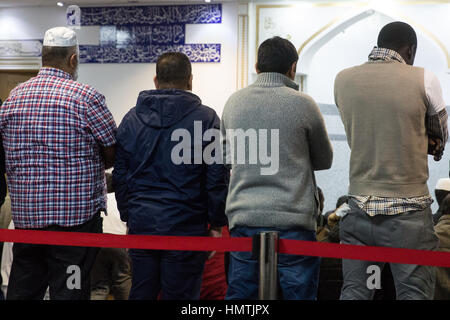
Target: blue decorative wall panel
141,34
151,15
148,54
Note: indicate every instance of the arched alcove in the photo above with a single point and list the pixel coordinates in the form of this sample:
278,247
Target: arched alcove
348,42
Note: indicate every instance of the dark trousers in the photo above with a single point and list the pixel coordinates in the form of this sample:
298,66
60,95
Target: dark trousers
176,274
65,270
411,230
111,274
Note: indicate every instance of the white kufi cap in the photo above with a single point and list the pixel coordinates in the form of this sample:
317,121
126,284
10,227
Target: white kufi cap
443,184
60,37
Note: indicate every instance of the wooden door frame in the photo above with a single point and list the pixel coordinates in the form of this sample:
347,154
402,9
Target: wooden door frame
18,72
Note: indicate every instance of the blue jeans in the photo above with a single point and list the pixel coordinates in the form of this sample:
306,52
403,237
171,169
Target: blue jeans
176,274
298,276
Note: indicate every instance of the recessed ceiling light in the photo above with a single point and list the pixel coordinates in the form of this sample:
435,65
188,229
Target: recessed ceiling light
60,4
207,0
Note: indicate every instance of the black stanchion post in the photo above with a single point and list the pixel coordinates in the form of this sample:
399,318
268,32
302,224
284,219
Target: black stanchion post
267,243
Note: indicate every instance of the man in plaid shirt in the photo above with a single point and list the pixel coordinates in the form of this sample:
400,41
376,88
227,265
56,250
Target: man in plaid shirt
58,137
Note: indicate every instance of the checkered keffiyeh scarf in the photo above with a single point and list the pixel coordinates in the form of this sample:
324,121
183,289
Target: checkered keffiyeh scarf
385,55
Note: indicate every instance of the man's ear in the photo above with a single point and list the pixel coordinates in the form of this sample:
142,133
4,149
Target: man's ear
292,71
408,54
155,81
73,61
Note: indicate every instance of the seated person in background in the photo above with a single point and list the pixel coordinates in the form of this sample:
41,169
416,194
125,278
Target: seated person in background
320,217
111,274
442,229
441,191
321,200
214,281
330,276
324,227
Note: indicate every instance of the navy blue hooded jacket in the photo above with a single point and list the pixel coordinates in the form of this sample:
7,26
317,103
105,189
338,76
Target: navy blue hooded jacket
155,195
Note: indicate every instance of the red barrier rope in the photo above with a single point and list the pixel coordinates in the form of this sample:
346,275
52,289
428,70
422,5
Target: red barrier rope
367,253
128,241
297,247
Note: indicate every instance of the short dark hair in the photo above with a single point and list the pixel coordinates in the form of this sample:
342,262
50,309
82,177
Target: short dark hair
276,55
173,68
56,56
397,35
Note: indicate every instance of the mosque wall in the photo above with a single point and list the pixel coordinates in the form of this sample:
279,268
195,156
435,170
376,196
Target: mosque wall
213,81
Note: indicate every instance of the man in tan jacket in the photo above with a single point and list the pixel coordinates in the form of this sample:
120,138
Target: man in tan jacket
393,114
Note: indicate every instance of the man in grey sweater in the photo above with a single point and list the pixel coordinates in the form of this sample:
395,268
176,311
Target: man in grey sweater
274,138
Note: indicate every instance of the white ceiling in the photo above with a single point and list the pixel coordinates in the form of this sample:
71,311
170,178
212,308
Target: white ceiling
48,3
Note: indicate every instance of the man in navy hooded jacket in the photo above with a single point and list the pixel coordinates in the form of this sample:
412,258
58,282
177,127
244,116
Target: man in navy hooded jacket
157,195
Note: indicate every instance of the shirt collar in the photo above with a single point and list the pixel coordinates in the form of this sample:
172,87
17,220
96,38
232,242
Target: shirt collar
274,79
47,71
385,55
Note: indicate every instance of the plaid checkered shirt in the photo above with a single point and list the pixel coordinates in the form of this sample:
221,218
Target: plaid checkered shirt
52,129
436,123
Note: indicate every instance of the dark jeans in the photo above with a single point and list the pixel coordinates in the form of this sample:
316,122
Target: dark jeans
36,267
298,276
176,274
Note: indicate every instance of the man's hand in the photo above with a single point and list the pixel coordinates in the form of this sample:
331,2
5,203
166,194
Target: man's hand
435,148
333,219
216,233
322,234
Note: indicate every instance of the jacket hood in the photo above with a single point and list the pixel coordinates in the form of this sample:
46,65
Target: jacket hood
164,108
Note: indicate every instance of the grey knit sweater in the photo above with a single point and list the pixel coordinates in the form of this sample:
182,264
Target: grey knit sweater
264,193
